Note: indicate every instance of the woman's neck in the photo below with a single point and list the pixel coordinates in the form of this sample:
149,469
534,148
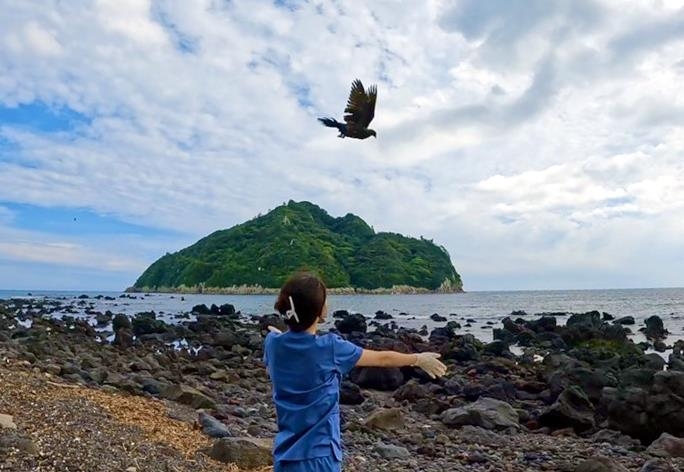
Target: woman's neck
313,329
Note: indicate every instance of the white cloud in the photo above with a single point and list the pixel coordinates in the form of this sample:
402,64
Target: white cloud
530,141
125,255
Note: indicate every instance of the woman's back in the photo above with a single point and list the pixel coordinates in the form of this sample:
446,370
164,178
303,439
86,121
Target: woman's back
306,371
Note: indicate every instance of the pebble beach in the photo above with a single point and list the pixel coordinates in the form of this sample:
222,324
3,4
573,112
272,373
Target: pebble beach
142,401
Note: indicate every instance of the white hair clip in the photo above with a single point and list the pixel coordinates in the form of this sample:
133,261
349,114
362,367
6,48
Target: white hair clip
291,313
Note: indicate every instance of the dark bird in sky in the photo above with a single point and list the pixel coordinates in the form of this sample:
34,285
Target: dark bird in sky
358,114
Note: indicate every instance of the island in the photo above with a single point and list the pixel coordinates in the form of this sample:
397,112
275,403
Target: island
258,255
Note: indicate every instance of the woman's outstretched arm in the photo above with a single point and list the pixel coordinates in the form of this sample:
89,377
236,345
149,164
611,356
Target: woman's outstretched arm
428,361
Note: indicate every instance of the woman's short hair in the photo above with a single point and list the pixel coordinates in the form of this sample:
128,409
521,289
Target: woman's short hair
308,293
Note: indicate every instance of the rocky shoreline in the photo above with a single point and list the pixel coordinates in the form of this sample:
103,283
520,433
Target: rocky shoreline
259,290
581,398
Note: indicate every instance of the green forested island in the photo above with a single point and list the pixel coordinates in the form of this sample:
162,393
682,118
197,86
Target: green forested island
261,253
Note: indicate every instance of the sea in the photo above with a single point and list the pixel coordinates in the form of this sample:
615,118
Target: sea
477,312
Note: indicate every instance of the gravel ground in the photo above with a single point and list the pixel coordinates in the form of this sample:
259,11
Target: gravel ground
73,429
430,447
80,429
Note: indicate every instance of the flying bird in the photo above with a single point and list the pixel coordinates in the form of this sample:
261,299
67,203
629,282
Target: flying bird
358,114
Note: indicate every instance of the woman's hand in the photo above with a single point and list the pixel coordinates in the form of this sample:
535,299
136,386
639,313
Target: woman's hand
429,362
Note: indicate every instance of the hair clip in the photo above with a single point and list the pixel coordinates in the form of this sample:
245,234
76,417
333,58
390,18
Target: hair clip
291,313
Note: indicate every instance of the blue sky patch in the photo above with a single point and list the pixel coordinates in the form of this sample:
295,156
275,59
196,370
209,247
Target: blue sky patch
73,221
39,116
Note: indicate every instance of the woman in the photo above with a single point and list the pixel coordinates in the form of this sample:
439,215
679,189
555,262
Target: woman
306,371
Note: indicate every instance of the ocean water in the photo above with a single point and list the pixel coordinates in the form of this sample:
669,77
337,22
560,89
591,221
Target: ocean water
487,309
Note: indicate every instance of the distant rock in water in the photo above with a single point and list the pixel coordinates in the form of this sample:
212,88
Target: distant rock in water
264,251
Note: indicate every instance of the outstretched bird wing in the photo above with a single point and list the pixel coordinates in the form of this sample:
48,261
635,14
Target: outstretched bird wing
360,105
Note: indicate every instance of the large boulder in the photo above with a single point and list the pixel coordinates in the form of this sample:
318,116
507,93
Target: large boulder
188,396
591,381
386,419
245,453
377,378
572,409
201,310
213,427
667,446
147,323
226,310
655,329
121,321
412,391
486,413
352,322
676,359
659,465
647,412
591,320
350,394
465,348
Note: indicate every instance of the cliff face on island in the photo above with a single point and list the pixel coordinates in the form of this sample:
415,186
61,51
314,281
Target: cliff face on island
346,252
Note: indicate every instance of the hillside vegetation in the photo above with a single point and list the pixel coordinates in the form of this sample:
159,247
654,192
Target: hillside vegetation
263,252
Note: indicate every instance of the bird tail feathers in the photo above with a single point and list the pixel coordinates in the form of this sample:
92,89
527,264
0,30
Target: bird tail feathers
329,122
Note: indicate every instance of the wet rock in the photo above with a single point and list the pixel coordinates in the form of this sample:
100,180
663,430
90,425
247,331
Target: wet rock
655,329
625,320
121,321
591,381
436,317
486,413
213,427
377,378
389,451
102,319
498,348
647,412
465,348
387,419
412,391
381,315
226,310
637,377
188,396
247,453
591,319
354,322
676,359
654,361
600,464
667,446
350,394
572,409
201,310
147,323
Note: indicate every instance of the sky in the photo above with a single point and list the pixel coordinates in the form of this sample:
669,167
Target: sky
542,143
